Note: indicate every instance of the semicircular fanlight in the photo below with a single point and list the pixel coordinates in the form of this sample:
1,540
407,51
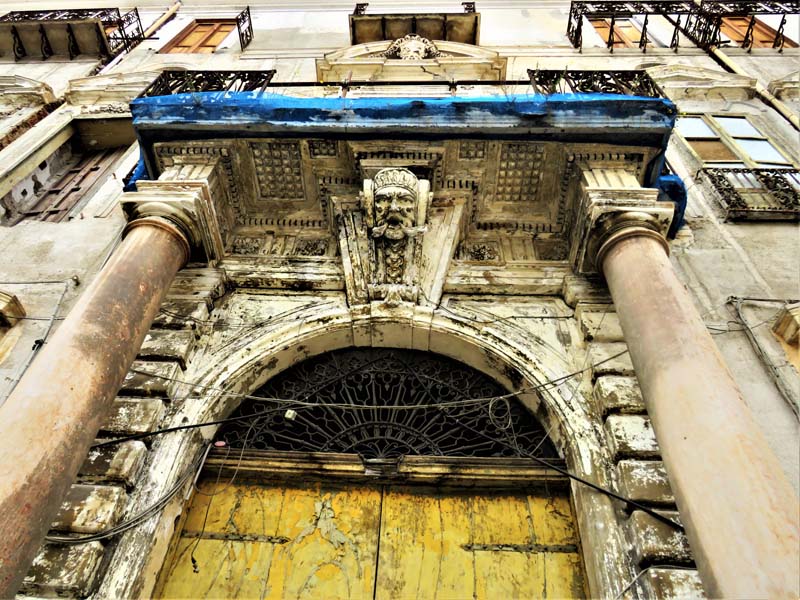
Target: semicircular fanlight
385,403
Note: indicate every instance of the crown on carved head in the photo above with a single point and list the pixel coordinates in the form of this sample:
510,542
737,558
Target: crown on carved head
396,177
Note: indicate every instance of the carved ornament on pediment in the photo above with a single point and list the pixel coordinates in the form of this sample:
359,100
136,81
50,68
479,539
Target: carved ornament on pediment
412,47
116,89
21,91
393,59
686,82
786,88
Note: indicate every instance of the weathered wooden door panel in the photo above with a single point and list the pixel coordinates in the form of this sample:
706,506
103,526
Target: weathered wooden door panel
270,542
470,544
398,542
421,556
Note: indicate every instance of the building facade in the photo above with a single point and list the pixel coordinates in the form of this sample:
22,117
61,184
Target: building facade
399,299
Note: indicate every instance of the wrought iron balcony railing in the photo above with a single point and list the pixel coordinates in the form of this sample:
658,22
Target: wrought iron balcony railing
102,31
630,83
757,193
185,82
701,22
546,82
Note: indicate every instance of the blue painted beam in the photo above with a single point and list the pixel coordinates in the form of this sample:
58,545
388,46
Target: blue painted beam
260,112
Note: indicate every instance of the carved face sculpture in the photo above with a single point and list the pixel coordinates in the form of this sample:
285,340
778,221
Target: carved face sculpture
394,208
395,203
412,47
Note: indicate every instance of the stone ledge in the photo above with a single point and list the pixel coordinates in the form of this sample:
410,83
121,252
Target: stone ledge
181,314
664,583
599,322
657,542
584,289
167,345
90,509
158,384
631,436
600,353
67,571
121,463
645,481
198,284
618,394
128,416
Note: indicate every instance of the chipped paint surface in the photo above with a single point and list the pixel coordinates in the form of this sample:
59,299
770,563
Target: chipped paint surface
373,542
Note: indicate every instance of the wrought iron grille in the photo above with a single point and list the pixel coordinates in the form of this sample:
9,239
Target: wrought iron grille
122,31
636,83
631,83
184,82
700,22
757,193
105,15
406,403
244,25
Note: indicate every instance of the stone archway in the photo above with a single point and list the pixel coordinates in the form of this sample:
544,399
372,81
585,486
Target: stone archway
352,469
507,354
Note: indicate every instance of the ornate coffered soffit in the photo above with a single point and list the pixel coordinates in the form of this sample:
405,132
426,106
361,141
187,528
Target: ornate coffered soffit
389,200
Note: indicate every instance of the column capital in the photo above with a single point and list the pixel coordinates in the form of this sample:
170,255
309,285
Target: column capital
186,196
613,206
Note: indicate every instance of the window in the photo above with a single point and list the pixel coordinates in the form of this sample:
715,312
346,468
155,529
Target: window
730,142
627,32
201,36
59,185
753,177
763,36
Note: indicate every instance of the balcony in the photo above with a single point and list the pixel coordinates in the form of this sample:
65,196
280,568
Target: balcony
101,32
700,22
757,194
452,27
186,82
541,82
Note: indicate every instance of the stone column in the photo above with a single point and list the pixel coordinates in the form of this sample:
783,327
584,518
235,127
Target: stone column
48,423
739,510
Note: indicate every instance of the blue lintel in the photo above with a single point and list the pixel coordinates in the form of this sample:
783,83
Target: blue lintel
520,113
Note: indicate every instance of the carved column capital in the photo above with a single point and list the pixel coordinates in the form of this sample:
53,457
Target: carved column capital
613,206
188,198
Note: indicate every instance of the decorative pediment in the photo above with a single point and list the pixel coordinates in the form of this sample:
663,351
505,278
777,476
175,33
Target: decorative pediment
786,88
411,57
21,91
685,82
108,93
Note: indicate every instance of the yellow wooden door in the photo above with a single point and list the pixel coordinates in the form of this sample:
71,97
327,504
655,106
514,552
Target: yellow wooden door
361,542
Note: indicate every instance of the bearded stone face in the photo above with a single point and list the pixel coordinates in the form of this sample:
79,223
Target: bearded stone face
394,211
412,49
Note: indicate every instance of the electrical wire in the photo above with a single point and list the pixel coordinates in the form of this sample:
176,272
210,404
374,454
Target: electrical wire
775,375
138,519
642,572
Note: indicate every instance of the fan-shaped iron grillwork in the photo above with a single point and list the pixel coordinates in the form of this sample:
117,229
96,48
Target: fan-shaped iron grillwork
409,403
